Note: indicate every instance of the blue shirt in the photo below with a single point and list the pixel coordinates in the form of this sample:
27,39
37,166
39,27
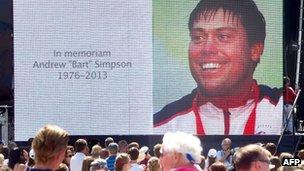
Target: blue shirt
111,162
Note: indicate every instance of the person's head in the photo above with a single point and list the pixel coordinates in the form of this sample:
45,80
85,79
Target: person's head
108,141
50,145
86,164
227,40
96,149
274,160
81,146
286,81
133,144
153,164
212,153
99,165
5,152
29,142
301,154
122,162
156,150
104,153
179,149
217,166
68,156
226,144
143,154
133,152
11,145
113,148
285,155
123,146
71,148
31,161
15,157
271,147
252,158
203,163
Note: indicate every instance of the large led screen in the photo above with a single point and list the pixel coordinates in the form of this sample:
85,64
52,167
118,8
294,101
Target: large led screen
139,67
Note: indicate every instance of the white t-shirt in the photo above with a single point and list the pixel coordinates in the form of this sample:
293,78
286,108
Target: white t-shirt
136,167
76,162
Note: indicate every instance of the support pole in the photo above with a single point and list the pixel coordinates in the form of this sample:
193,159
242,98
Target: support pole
297,87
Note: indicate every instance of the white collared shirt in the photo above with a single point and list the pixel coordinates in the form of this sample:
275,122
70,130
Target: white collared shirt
268,119
76,162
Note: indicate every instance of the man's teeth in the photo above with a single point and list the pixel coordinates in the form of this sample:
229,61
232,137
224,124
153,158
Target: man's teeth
211,66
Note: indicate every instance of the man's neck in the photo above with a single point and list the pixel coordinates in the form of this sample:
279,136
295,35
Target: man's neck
46,166
133,161
183,164
113,154
231,100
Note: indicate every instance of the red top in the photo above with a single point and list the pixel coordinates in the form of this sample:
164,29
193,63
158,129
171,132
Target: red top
289,95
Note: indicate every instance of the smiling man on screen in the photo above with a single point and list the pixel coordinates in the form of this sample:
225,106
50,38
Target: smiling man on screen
227,41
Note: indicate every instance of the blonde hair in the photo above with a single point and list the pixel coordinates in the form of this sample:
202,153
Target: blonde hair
153,164
248,154
1,159
49,140
96,149
121,160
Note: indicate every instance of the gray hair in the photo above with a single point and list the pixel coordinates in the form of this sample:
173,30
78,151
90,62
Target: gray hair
186,144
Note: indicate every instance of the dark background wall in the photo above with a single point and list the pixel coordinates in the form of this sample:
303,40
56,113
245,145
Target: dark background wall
6,11
6,51
291,20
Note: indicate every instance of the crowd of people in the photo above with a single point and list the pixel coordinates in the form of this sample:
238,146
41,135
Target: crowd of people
178,151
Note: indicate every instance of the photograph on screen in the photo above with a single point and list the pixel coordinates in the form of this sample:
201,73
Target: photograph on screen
217,67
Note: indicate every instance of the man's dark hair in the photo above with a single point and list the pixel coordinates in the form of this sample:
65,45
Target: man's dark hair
246,10
29,142
123,143
218,166
123,146
286,80
156,150
5,151
14,157
108,141
133,152
271,147
80,145
133,144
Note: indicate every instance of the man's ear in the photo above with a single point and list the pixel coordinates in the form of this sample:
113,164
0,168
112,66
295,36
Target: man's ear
256,51
60,155
177,158
255,165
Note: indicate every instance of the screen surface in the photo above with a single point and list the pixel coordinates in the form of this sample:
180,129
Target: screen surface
106,67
